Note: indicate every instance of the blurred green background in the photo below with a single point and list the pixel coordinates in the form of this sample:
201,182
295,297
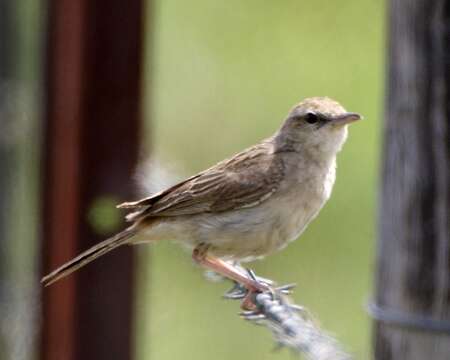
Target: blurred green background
221,76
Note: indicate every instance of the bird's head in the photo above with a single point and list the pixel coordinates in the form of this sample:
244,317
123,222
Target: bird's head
317,123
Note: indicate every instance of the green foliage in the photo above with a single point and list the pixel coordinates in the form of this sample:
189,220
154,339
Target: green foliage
222,75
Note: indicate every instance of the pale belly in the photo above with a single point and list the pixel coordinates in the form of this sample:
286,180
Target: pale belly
252,233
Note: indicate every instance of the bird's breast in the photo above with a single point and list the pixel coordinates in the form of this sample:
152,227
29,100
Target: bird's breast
302,197
256,232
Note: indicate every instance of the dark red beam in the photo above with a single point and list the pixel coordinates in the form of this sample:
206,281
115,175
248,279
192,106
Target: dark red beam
90,150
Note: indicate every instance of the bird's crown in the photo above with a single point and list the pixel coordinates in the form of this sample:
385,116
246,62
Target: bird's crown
319,105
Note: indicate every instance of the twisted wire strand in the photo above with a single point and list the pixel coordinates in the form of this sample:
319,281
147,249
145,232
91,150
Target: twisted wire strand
292,325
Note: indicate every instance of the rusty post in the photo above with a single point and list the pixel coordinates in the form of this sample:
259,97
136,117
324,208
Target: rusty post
91,140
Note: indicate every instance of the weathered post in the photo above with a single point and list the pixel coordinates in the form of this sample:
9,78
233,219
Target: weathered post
412,304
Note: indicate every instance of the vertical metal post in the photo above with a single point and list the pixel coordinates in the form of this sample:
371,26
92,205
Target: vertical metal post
92,124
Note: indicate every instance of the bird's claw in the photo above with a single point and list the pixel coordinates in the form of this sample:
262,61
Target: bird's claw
248,295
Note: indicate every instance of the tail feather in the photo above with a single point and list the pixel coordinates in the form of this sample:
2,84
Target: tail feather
89,255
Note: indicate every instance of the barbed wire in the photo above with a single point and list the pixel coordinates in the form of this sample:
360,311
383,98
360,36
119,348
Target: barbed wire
292,325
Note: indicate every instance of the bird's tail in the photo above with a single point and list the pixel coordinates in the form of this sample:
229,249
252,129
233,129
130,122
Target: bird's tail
89,255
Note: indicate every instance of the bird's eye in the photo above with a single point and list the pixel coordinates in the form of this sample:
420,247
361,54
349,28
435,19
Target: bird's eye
311,118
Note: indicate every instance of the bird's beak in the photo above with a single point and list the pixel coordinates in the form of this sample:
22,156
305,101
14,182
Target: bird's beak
345,118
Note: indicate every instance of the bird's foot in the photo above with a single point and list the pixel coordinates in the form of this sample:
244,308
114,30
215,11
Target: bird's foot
247,284
246,278
248,290
240,292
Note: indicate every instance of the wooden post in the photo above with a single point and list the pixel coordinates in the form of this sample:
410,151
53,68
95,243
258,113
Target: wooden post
413,275
91,143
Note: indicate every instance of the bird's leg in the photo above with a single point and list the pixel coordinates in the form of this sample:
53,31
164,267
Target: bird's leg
200,256
224,268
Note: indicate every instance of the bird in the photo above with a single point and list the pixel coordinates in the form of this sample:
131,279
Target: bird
245,207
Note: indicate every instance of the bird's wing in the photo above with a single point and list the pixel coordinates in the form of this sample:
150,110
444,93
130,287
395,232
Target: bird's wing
245,180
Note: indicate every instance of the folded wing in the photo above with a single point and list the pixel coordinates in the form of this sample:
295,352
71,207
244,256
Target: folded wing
243,181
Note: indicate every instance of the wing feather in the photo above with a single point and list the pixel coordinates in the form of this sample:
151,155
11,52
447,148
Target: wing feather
243,181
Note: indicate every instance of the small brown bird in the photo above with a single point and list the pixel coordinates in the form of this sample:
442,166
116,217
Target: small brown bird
245,207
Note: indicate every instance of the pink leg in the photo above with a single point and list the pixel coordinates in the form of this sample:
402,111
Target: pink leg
223,268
